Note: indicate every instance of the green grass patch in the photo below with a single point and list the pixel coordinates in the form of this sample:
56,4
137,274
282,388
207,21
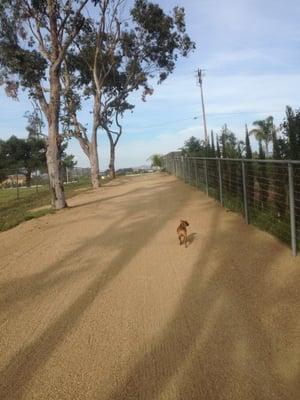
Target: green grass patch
269,222
266,220
15,210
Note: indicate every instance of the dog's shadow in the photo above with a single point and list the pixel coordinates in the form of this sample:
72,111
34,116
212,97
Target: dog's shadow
190,238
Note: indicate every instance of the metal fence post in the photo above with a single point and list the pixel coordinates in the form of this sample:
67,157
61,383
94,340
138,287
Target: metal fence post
183,167
206,176
187,175
220,182
36,181
187,170
245,193
196,172
292,210
18,192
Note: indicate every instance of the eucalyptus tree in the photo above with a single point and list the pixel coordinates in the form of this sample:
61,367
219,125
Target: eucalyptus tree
35,36
114,132
35,123
115,57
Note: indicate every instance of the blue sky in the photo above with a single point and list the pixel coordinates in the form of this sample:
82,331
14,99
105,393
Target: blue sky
250,51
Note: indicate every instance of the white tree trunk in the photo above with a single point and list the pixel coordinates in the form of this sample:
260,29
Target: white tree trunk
53,156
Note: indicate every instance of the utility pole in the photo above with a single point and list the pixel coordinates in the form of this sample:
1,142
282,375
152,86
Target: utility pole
200,75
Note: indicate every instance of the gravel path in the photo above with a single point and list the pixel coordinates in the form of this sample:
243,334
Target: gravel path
99,301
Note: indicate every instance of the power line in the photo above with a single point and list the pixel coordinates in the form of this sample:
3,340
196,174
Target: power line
211,115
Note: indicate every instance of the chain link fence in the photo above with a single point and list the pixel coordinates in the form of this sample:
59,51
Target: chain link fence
266,192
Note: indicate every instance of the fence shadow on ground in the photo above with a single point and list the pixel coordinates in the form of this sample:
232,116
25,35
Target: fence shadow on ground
219,344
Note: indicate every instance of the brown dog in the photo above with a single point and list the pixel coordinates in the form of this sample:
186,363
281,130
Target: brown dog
182,233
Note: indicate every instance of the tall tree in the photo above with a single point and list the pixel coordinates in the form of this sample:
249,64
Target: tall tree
114,130
213,149
157,160
249,169
263,179
280,178
223,137
230,144
263,131
218,148
230,149
34,38
117,57
3,162
25,154
291,129
248,145
193,147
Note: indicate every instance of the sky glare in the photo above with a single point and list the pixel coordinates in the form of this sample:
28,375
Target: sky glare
249,50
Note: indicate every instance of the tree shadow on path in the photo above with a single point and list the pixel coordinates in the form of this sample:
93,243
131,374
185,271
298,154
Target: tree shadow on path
27,361
217,345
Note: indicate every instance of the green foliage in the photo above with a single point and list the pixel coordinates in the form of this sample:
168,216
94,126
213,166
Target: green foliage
113,58
34,124
13,211
3,173
68,161
194,147
291,130
26,154
160,35
218,148
249,169
156,160
230,147
248,145
262,179
264,131
212,145
26,43
290,148
280,178
121,57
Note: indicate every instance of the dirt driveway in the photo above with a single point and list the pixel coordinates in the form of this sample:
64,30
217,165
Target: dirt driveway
100,302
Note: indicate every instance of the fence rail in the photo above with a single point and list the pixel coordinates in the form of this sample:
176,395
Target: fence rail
266,192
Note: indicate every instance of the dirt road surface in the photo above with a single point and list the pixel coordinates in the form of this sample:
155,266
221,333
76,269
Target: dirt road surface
99,301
